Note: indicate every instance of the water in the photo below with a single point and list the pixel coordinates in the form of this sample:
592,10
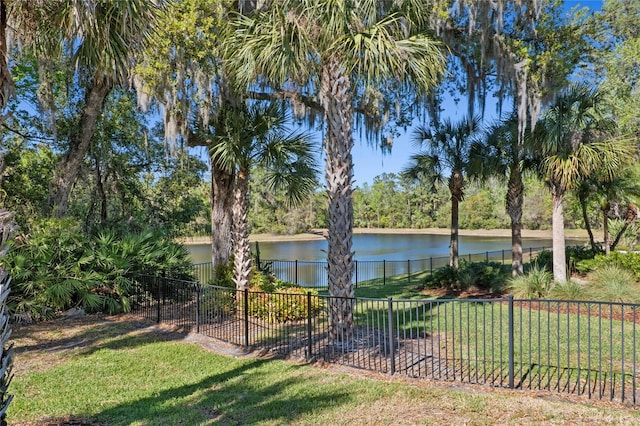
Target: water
390,247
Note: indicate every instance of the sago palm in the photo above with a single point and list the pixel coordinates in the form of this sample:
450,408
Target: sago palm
446,148
258,135
573,141
326,54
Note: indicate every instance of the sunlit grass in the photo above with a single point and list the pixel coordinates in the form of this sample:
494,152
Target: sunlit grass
149,377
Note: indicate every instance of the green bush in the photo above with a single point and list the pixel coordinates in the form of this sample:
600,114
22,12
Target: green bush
628,261
536,284
290,305
613,283
445,277
570,290
575,255
278,301
481,275
56,267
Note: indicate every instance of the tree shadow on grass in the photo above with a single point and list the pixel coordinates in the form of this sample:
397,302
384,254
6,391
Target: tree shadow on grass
237,396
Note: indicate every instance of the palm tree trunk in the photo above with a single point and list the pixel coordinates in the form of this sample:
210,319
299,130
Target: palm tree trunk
587,223
456,183
559,256
69,167
242,250
605,229
338,109
222,184
515,200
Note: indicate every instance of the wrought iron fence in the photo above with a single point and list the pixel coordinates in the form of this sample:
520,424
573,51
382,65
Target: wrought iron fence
576,347
313,274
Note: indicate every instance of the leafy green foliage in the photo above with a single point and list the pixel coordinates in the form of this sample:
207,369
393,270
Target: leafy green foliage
490,276
279,301
536,284
614,283
628,261
56,266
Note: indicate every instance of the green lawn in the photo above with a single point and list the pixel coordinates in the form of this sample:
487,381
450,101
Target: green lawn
108,371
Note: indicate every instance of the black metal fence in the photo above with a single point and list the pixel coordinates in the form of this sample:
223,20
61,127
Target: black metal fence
575,347
313,274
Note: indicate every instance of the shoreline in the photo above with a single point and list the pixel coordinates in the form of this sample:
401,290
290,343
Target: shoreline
320,234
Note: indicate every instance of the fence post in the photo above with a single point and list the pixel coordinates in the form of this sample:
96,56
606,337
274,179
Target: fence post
197,307
309,342
511,342
384,272
409,270
296,272
486,256
431,265
246,317
159,289
392,354
356,262
503,256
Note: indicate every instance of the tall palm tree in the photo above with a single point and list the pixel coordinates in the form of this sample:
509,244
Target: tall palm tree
258,135
573,140
326,53
447,149
100,38
502,154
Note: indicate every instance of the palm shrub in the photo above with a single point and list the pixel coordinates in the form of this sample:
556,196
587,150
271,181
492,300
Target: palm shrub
480,275
57,266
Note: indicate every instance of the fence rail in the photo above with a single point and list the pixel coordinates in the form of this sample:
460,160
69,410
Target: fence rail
313,274
576,347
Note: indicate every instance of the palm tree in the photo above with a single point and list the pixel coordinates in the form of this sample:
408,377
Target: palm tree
446,149
502,154
573,142
258,135
101,38
325,53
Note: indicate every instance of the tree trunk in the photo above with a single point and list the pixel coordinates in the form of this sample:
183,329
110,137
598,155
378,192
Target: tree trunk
587,223
631,216
456,183
605,229
69,167
222,184
559,256
6,83
241,247
336,99
515,200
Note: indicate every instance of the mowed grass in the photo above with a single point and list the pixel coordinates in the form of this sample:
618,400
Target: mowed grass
119,371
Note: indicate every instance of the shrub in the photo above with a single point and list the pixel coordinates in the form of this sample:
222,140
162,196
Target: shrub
482,275
56,266
445,277
536,284
290,305
575,256
278,301
613,283
570,290
628,261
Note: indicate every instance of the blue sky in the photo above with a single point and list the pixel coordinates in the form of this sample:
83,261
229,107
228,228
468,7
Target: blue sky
369,162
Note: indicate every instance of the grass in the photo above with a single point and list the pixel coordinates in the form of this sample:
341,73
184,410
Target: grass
98,370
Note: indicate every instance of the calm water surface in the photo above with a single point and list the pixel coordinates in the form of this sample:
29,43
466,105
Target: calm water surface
378,247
